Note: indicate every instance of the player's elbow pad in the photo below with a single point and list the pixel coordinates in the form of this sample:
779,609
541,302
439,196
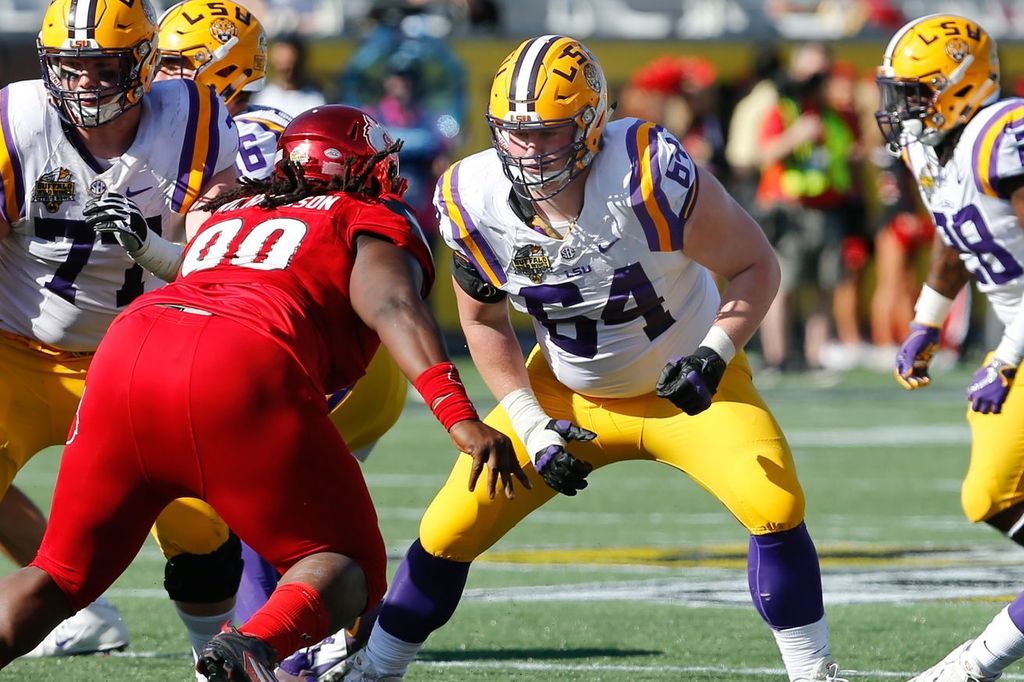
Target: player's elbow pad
472,283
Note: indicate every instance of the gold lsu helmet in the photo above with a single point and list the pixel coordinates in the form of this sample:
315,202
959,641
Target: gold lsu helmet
98,29
937,73
219,44
548,83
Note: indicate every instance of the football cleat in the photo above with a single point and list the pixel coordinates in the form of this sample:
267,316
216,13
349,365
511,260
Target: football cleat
315,661
326,657
957,666
358,668
826,670
95,629
233,657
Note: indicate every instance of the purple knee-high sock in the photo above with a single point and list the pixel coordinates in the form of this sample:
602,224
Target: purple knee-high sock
259,579
1016,611
785,579
423,596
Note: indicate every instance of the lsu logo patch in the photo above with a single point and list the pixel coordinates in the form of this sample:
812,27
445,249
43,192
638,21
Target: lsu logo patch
54,188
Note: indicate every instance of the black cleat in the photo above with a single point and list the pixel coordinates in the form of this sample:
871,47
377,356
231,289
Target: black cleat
234,657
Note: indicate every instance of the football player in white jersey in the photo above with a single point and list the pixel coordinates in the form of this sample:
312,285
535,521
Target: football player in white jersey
91,127
940,109
606,234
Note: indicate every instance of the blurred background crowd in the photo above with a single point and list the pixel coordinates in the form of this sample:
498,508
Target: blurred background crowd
776,98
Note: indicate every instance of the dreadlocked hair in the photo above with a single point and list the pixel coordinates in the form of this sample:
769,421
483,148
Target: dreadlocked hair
289,184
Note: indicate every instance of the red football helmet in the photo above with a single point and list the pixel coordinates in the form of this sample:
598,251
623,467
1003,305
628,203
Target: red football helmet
323,140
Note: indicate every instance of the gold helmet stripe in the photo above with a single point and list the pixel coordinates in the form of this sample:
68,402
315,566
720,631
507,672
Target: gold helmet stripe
523,97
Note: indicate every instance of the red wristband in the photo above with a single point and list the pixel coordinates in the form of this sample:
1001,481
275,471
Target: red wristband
445,395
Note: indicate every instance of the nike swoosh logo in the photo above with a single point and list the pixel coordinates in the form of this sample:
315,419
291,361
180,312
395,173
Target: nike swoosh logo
603,248
135,192
60,644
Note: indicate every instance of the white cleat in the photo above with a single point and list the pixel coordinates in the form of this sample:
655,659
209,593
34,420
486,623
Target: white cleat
957,666
358,668
96,628
825,670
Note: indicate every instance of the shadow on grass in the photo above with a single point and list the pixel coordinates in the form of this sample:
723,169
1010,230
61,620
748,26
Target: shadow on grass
526,654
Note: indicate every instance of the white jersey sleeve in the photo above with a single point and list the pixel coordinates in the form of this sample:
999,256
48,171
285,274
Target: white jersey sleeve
259,128
62,284
615,299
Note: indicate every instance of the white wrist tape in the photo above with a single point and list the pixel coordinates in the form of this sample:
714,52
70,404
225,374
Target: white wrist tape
1011,348
718,341
530,421
159,256
931,307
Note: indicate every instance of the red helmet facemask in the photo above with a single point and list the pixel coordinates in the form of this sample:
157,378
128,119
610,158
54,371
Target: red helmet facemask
343,141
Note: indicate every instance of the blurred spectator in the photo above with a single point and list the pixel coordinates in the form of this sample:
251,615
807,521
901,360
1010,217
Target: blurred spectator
288,87
806,187
741,149
679,93
415,85
477,15
841,93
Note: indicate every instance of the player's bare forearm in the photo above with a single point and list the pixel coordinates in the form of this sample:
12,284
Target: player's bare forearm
946,272
385,293
492,343
745,301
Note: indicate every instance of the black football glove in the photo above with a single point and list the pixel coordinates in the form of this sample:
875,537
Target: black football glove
556,465
118,215
690,382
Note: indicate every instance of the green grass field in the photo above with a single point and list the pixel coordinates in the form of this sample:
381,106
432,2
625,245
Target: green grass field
642,577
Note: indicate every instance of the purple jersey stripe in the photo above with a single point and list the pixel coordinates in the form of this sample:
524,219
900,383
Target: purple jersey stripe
473,235
213,148
12,153
187,147
636,197
687,209
993,150
675,225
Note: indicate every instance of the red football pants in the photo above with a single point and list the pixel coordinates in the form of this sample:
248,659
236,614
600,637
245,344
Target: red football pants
178,404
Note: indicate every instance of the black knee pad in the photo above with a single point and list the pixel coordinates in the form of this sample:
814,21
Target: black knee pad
205,578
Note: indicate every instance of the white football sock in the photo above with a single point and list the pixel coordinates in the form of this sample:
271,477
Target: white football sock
388,654
998,646
802,647
201,629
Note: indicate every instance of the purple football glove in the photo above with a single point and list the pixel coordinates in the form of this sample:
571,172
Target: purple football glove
690,383
915,354
990,385
559,469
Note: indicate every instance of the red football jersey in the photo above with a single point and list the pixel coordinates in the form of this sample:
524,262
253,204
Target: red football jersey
285,272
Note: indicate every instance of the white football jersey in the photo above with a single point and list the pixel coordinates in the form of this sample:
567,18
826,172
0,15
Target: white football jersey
970,212
59,282
615,299
258,131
